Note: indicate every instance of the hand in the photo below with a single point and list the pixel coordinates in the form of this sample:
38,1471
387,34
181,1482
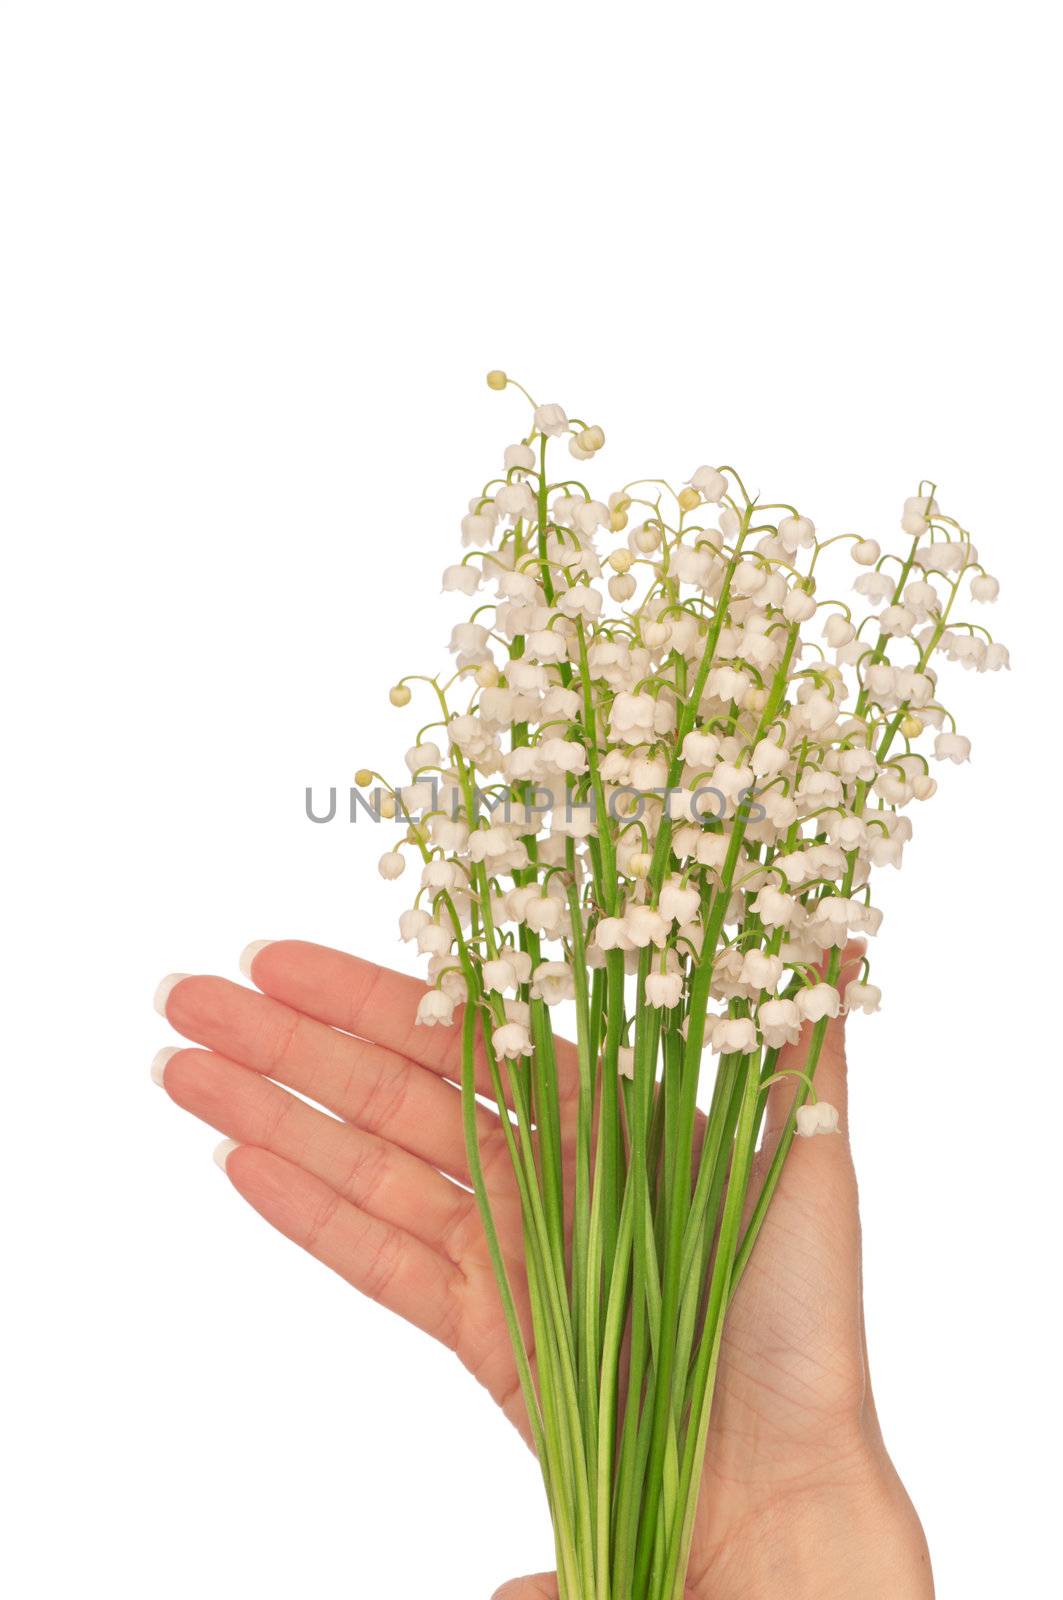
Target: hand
800,1497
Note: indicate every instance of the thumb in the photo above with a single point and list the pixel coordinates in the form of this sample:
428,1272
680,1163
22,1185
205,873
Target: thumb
543,1586
830,1072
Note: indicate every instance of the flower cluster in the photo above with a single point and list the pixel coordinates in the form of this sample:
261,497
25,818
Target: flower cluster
678,739
662,723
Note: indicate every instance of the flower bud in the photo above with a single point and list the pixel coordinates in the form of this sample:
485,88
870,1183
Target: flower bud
617,521
400,695
592,438
496,379
363,777
689,499
648,537
391,864
912,726
620,560
622,587
640,864
866,552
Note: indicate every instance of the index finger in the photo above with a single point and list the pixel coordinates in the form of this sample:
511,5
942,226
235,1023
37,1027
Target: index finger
372,1002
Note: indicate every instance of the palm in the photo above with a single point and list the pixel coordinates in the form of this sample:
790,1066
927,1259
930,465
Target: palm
374,1197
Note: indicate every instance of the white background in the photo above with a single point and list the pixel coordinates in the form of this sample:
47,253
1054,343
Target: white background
256,260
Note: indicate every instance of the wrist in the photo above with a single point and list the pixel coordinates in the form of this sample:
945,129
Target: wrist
857,1540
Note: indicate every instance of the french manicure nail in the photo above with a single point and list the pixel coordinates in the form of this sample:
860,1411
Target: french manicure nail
158,1066
162,993
224,1151
253,949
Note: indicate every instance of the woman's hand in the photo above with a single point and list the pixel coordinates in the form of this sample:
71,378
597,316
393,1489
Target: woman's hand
800,1497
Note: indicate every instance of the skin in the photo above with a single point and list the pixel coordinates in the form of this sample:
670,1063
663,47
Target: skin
800,1497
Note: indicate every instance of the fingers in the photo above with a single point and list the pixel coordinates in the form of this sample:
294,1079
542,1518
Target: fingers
372,1173
374,1088
374,1003
541,1587
380,1260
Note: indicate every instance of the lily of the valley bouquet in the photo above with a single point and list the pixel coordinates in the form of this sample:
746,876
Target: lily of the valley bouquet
676,742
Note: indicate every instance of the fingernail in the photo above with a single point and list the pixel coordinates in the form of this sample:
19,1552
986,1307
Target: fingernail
162,993
251,952
158,1066
224,1151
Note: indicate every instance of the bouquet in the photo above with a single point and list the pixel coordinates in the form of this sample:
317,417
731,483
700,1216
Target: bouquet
654,787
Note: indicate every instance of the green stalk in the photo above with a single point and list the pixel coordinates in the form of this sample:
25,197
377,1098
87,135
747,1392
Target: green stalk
709,1352
612,1341
608,1176
547,1436
697,1240
584,1265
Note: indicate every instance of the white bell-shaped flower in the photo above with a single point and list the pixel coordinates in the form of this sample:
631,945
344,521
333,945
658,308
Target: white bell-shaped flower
499,974
553,982
463,578
780,1023
734,1036
838,631
862,997
700,749
477,528
411,922
512,1039
818,1118
761,971
797,533
817,1001
952,747
664,988
551,420
709,483
434,940
644,925
611,934
773,907
516,500
435,1007
678,902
